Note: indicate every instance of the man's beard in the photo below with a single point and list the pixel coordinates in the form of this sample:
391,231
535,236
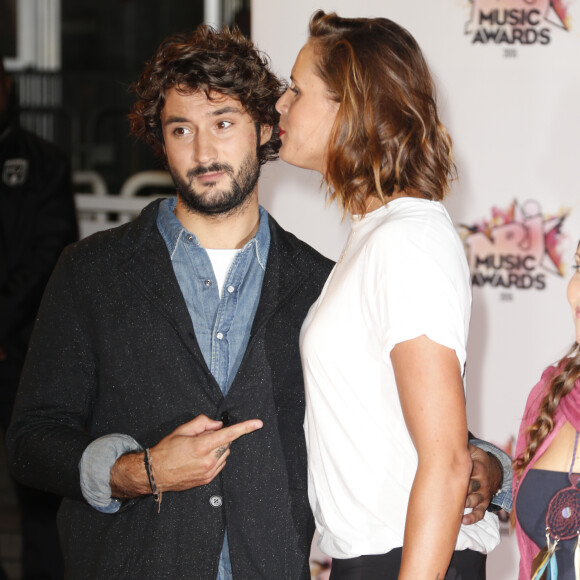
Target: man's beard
214,201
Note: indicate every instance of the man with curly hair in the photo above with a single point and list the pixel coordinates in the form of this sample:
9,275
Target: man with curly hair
168,407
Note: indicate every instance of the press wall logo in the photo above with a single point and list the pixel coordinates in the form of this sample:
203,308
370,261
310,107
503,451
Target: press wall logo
517,249
517,22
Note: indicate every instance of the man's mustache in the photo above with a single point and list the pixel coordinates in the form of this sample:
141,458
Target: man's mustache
213,168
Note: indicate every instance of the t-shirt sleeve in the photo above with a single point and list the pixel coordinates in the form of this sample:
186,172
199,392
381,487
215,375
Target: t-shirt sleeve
423,288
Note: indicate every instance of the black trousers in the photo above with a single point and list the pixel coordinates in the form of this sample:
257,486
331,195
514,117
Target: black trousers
465,565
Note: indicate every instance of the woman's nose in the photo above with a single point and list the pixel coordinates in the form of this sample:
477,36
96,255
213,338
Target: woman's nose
281,106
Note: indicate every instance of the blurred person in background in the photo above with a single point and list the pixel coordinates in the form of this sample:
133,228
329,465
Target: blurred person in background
37,220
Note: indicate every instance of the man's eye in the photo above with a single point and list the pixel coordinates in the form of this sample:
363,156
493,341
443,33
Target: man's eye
294,89
224,124
180,131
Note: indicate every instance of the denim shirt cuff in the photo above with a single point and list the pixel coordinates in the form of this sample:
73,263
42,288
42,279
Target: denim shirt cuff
95,469
503,498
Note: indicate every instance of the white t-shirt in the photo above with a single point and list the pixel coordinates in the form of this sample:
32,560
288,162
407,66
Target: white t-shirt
221,261
403,274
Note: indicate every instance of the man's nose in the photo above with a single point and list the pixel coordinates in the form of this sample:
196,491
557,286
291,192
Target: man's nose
204,149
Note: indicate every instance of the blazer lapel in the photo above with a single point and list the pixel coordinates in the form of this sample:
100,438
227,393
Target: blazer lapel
150,270
282,277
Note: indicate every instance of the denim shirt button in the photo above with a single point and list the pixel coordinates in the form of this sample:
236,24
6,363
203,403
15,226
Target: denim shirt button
189,237
216,501
208,283
219,335
230,289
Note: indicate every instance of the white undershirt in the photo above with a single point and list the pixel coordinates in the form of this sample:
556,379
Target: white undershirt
221,261
403,274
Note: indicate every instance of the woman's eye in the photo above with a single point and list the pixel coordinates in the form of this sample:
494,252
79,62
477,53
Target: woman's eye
294,89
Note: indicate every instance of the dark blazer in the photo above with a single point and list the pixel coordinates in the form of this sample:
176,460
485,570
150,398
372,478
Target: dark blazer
114,351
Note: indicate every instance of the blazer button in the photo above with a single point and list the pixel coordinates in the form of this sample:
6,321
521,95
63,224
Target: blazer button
216,501
225,418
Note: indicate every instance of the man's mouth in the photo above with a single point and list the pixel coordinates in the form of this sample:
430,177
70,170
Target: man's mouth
210,177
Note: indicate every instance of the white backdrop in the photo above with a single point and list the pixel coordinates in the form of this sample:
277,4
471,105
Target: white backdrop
509,92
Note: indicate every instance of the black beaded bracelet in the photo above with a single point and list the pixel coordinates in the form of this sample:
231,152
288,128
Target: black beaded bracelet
157,495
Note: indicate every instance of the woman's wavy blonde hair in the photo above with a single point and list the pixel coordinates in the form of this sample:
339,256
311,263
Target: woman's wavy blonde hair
387,136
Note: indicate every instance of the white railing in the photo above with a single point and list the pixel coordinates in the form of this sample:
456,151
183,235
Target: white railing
98,210
96,213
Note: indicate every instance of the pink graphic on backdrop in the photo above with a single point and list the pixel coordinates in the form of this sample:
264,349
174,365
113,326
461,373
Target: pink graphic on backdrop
520,22
516,247
520,12
560,7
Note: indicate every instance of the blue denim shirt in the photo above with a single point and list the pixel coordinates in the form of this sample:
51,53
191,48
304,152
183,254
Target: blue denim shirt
222,327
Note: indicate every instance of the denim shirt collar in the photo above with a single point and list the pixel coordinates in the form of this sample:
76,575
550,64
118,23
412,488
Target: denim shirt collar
171,230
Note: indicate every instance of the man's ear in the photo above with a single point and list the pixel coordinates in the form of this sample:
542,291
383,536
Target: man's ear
265,134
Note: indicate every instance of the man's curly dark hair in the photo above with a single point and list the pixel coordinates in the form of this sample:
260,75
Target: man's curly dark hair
223,61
